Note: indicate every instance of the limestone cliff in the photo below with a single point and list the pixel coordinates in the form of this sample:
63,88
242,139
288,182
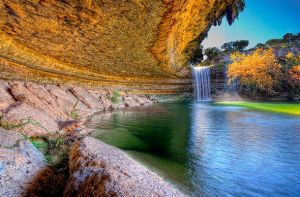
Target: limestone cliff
104,42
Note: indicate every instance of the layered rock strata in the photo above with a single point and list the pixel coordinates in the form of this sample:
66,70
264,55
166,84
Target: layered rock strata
138,43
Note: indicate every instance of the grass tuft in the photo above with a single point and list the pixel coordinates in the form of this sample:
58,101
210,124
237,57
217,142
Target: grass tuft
115,99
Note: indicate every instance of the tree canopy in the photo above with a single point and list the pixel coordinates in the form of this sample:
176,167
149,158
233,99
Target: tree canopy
212,53
260,69
238,45
197,55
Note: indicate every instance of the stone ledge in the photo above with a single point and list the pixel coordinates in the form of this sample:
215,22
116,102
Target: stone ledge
98,169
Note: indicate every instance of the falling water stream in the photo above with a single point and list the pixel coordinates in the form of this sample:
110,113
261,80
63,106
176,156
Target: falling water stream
201,76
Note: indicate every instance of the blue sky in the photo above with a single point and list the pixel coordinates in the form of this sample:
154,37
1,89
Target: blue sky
261,20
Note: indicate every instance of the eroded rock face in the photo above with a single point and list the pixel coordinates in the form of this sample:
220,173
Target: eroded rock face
98,169
85,97
22,168
38,97
6,98
103,42
29,121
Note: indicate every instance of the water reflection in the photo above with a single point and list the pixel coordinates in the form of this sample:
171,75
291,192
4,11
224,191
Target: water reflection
240,153
210,150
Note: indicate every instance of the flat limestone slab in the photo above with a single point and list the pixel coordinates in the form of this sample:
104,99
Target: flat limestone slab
98,169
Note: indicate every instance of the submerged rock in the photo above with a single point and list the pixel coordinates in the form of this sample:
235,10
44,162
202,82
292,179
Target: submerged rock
23,171
98,169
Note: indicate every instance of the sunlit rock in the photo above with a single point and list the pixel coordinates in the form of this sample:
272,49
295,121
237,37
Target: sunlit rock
98,169
93,42
23,170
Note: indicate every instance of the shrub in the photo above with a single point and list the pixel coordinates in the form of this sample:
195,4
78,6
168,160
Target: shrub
115,97
74,113
259,69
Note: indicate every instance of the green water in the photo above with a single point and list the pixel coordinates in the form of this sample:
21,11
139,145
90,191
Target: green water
210,150
151,134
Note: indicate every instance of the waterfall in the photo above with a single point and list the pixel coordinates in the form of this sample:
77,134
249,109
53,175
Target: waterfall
201,83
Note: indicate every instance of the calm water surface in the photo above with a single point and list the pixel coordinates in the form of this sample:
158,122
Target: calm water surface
208,150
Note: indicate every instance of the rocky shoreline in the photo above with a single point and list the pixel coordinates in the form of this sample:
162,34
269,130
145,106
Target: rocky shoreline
35,117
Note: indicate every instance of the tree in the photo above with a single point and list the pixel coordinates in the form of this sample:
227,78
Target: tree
197,55
240,44
212,53
291,60
292,64
227,46
260,45
259,69
235,46
294,77
289,37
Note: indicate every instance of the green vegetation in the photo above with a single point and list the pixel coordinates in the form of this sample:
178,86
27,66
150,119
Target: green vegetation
11,126
197,55
212,53
54,149
115,99
288,39
270,69
287,108
74,113
39,144
238,45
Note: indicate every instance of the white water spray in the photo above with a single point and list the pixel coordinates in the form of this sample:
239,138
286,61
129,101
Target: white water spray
201,83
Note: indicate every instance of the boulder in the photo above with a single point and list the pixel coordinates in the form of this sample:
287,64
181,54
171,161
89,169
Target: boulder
67,101
98,169
102,96
28,120
38,97
131,102
142,100
23,171
85,97
49,102
105,102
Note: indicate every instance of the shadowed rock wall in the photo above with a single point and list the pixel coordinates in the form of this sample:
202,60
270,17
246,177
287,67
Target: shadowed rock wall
104,42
